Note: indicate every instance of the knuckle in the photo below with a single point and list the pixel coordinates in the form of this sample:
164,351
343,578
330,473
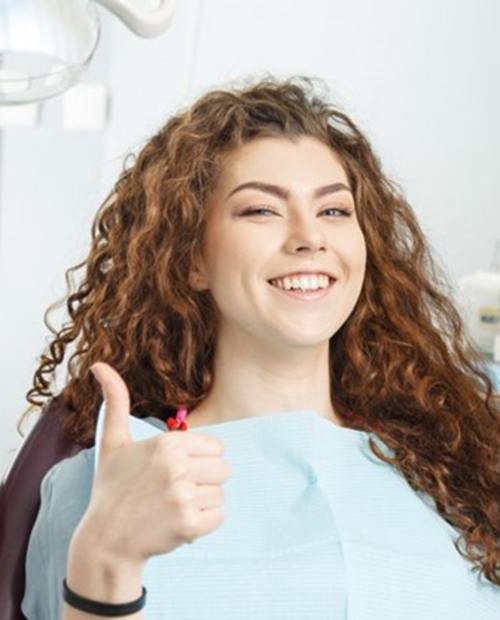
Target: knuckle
161,448
169,462
171,442
189,528
174,470
182,497
168,441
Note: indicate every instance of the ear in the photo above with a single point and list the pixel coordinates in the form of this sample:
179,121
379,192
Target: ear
197,278
196,281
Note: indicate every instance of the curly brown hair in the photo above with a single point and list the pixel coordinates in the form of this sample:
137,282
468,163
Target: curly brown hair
401,361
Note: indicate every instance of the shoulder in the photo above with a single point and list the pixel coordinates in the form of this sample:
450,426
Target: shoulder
69,479
64,496
65,491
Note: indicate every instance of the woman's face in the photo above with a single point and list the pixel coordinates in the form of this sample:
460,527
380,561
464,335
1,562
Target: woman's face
243,251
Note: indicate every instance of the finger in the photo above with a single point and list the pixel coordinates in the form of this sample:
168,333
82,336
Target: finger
209,470
115,431
202,444
210,519
209,496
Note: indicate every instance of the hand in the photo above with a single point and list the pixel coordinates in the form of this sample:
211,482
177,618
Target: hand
148,497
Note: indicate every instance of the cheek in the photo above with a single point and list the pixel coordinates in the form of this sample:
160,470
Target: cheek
352,248
229,262
241,251
219,244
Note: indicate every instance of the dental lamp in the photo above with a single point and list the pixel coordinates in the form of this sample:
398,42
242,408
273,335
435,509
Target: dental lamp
46,45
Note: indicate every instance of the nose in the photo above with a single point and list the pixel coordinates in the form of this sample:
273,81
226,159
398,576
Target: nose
306,235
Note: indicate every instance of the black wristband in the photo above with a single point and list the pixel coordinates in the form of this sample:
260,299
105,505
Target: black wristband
102,609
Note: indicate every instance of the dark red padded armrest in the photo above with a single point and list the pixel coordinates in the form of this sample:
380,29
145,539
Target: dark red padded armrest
20,500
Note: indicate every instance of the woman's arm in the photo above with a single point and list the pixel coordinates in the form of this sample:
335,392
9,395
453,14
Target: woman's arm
98,578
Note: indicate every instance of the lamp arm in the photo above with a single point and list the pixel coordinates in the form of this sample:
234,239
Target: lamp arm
146,24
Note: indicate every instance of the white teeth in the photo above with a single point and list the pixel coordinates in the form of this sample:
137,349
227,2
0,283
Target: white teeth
304,283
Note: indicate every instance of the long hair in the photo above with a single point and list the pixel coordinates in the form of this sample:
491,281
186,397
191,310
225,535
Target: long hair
401,366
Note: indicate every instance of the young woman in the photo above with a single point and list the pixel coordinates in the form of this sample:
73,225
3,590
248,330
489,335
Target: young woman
256,269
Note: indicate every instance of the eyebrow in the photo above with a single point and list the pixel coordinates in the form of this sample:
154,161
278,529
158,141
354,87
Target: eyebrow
281,192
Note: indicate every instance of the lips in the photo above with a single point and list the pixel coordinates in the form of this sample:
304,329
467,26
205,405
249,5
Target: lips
296,274
305,295
330,281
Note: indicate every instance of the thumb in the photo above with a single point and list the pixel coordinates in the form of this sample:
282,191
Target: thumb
115,430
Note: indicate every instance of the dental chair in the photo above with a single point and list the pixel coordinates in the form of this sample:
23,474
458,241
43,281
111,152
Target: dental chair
42,448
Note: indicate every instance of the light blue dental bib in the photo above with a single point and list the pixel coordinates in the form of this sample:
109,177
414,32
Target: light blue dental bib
315,527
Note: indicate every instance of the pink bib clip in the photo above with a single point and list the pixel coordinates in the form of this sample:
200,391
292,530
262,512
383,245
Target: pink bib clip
179,422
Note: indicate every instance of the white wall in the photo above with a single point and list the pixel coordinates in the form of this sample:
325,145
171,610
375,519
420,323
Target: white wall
421,78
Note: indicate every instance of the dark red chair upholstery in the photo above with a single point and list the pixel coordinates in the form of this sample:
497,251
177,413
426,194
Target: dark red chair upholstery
44,446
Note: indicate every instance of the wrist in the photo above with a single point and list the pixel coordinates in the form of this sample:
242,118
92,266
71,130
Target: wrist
95,574
90,538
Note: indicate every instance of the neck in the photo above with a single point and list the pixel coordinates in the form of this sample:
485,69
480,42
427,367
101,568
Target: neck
252,380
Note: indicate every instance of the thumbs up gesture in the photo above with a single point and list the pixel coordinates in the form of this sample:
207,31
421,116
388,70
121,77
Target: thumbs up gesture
148,497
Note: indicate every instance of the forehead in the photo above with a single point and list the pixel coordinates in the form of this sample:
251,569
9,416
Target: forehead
304,160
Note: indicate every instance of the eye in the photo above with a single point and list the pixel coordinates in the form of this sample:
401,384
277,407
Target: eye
254,211
345,212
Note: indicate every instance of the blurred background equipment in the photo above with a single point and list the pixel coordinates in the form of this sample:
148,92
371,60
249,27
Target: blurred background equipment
46,45
480,298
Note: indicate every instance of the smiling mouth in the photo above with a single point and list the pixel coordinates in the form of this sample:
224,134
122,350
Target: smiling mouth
304,294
